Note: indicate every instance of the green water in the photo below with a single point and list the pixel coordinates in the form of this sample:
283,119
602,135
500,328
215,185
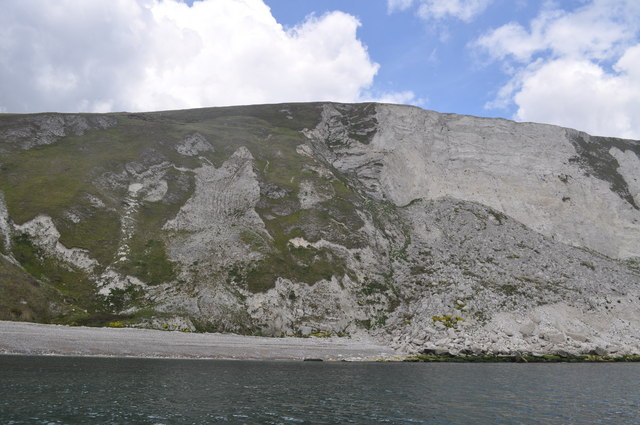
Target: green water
58,390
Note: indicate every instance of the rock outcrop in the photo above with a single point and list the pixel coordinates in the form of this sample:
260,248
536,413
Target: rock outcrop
436,233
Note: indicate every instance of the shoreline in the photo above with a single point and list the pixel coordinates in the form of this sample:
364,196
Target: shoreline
25,338
35,339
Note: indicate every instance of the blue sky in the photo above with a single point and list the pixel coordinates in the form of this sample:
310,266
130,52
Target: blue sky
574,63
430,59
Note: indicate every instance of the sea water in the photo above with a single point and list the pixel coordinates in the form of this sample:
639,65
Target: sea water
67,390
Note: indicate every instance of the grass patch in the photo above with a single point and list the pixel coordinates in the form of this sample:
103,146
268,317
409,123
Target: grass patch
121,298
23,298
307,265
69,281
594,158
149,263
77,294
448,320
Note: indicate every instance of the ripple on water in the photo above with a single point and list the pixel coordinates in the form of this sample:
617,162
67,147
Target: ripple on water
50,390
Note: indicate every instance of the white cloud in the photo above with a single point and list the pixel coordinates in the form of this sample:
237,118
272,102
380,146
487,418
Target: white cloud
101,55
406,97
594,31
393,5
577,69
581,94
464,10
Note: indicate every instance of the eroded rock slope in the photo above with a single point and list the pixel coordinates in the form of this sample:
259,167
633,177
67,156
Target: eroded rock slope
433,232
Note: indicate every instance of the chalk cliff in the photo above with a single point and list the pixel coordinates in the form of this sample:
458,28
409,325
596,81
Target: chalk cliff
433,232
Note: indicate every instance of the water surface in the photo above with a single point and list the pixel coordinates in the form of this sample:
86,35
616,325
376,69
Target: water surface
59,390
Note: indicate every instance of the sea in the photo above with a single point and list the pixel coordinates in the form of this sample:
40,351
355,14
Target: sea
75,390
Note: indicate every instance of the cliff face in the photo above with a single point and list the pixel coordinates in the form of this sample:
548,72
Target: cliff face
429,231
567,185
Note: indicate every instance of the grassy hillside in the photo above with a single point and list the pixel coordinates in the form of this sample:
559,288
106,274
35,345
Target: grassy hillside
81,181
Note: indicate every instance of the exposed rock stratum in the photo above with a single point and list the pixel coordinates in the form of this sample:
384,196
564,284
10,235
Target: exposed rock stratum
432,232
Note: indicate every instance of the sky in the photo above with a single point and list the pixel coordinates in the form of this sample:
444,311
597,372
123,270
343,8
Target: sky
574,63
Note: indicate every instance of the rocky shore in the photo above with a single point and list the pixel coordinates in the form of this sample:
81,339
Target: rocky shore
39,339
558,330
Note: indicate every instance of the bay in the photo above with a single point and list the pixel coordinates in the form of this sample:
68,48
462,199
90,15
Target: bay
74,390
